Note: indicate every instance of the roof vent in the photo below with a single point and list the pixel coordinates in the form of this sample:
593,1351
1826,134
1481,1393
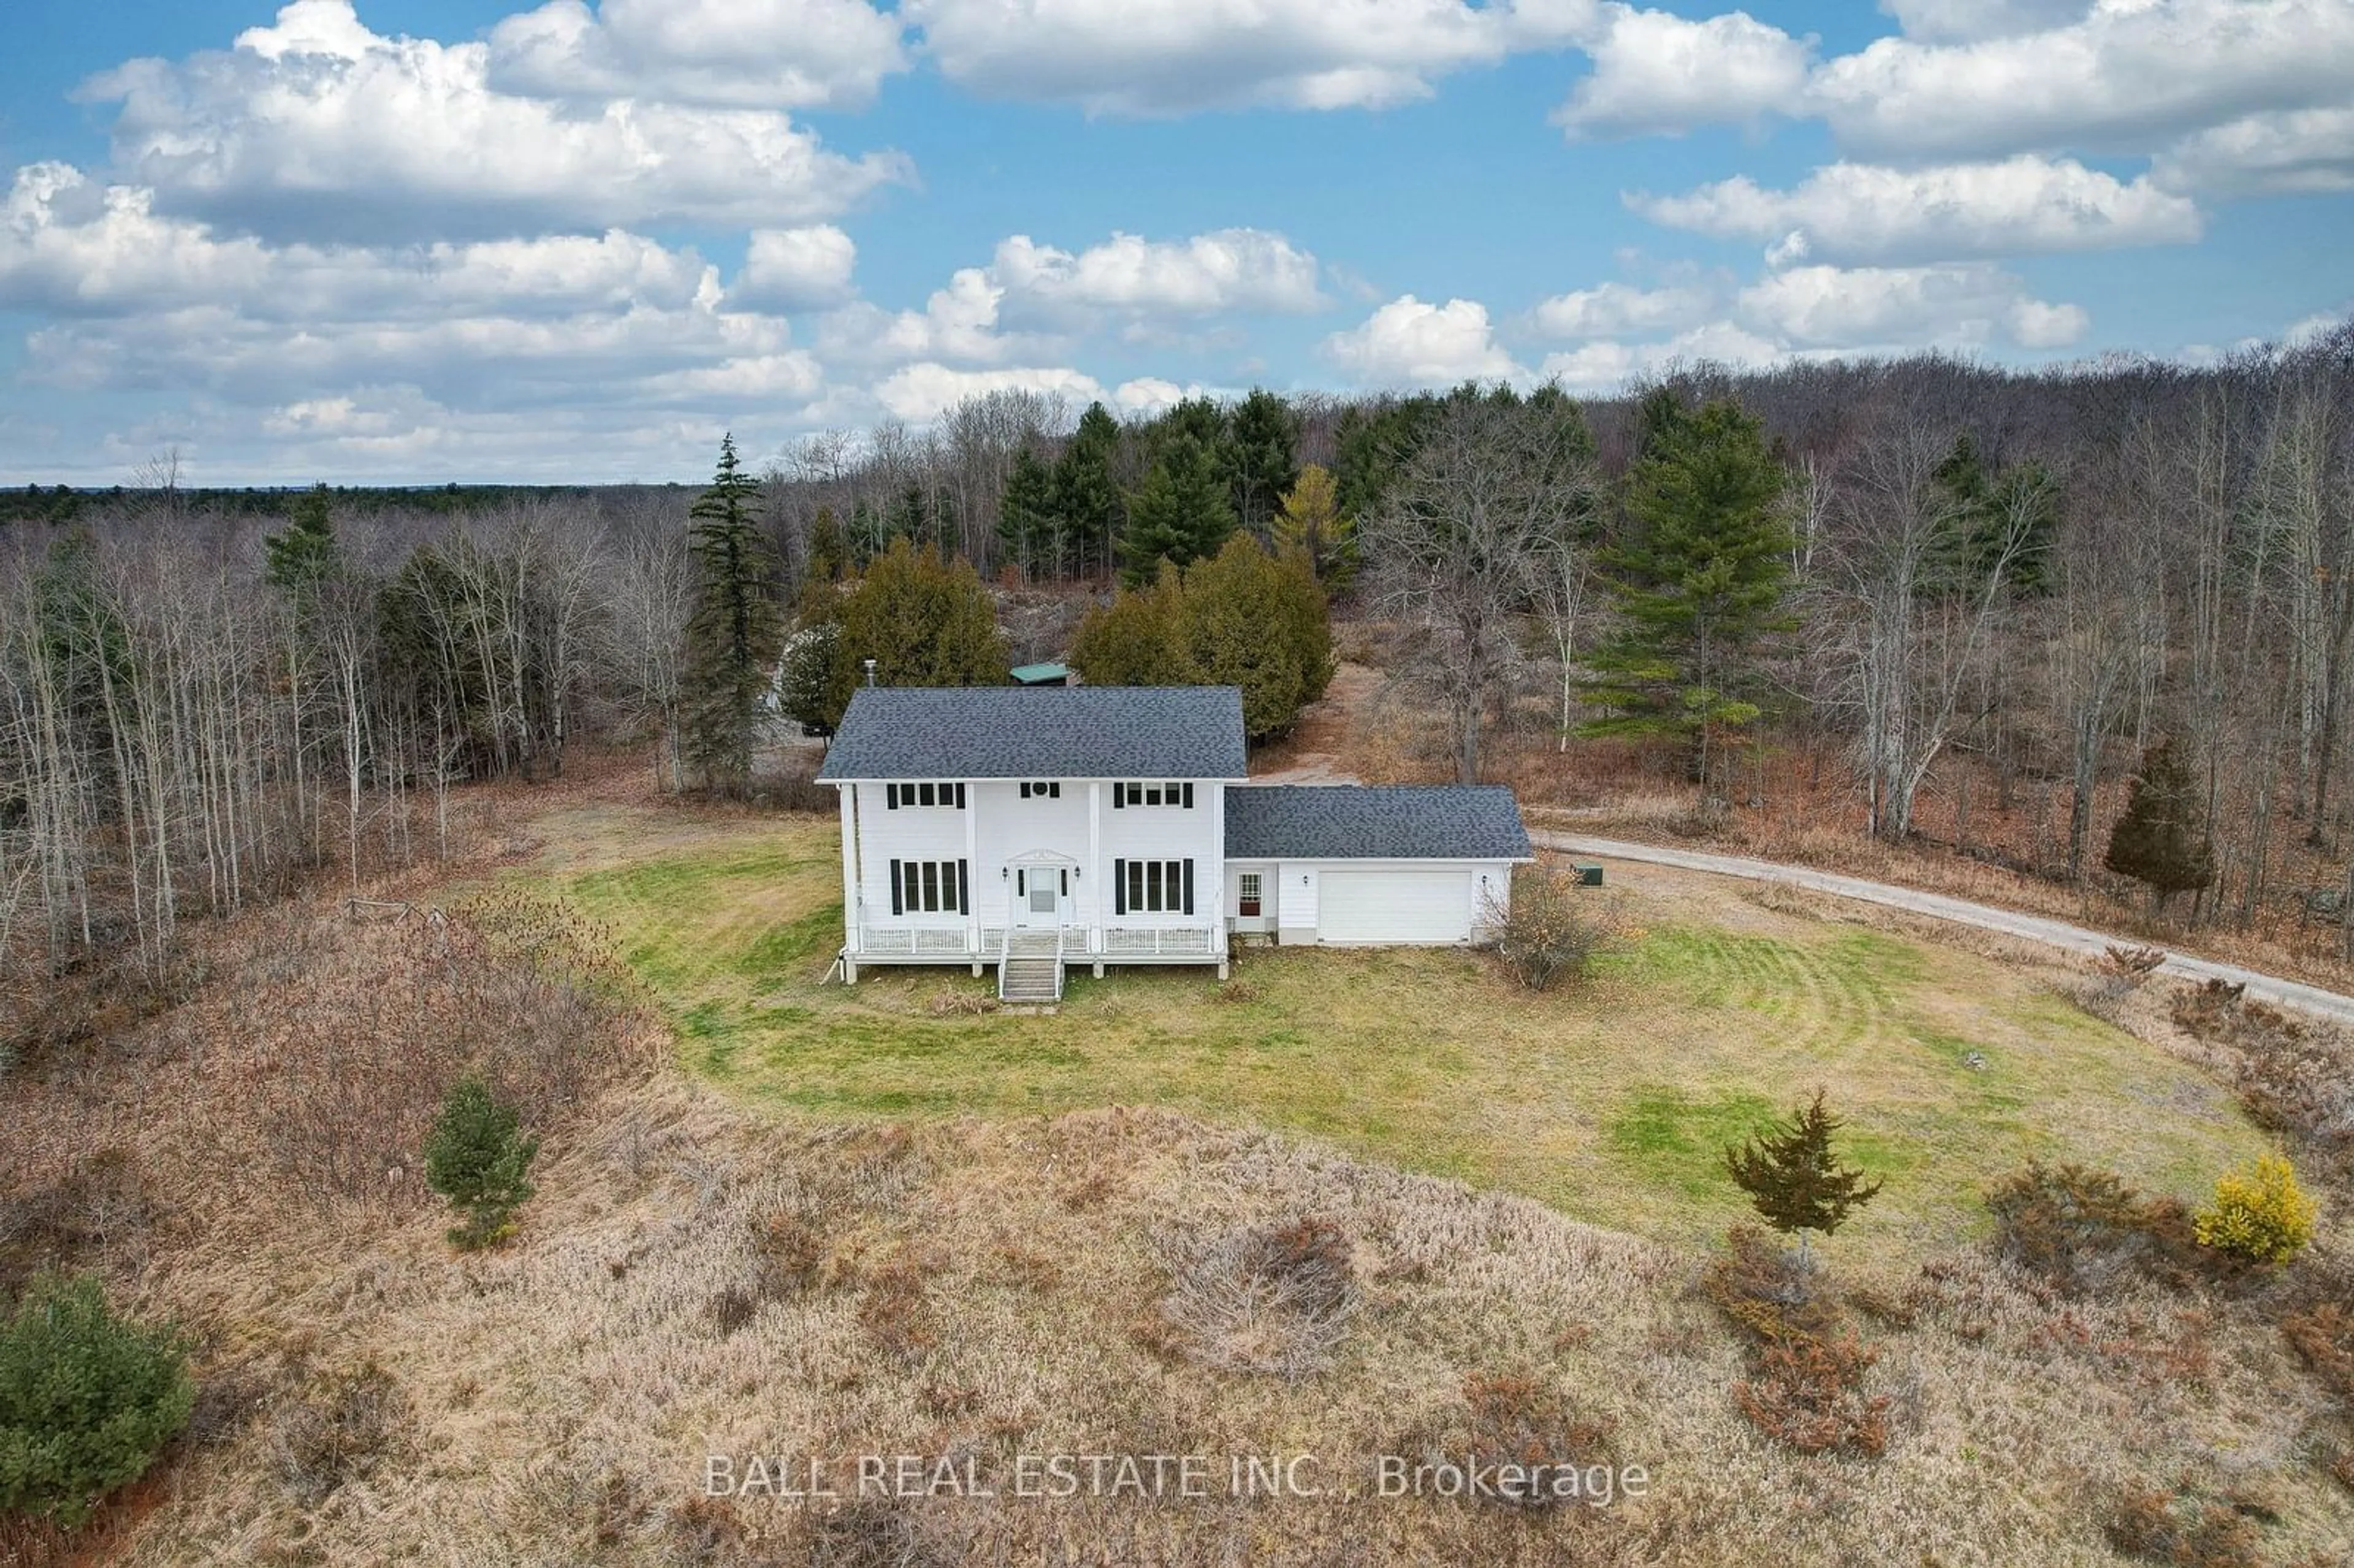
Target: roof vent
870,671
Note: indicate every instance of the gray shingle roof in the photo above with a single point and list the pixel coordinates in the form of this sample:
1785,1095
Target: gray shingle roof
1347,821
1043,732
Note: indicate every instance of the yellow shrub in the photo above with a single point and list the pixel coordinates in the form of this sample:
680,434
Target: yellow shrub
2262,1215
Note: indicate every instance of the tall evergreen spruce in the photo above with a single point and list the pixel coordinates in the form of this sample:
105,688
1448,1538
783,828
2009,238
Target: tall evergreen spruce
1087,496
303,554
1183,513
1029,517
1699,579
735,635
2161,841
1795,1179
1263,443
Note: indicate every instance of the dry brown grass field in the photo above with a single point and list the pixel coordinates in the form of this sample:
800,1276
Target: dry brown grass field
1349,1205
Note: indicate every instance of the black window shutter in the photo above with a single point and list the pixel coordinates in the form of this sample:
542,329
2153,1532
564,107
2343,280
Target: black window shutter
1120,887
891,796
1066,884
897,906
1018,889
1188,871
964,887
1118,796
1189,806
959,794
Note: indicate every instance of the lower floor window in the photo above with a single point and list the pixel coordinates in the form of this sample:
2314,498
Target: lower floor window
1154,886
930,888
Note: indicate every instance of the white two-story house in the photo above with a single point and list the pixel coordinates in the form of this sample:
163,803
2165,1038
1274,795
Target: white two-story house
1038,828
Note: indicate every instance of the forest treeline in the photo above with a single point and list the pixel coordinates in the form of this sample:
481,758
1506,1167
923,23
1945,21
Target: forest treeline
1933,565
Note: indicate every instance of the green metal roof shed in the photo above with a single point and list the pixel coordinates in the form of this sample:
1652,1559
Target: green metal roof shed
1042,675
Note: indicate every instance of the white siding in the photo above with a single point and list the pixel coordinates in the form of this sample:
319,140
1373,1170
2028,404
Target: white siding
1012,827
1167,833
911,833
1296,908
999,827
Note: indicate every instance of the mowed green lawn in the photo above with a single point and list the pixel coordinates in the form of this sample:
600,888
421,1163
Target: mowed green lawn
1610,1100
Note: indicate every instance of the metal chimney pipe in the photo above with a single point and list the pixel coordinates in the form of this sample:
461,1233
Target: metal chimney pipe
870,671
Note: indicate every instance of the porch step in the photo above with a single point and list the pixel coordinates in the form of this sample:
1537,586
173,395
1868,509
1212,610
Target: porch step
1029,979
1031,966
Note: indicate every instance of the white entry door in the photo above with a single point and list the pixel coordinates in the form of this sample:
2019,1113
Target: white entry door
1039,892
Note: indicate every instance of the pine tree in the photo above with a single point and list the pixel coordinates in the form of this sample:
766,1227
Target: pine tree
1372,445
1029,517
304,553
734,634
478,1157
1310,521
2160,839
1087,496
2009,518
1263,445
87,1398
1180,514
1699,578
1794,1178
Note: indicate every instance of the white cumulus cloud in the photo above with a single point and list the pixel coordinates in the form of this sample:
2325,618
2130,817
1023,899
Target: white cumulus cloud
796,268
1409,343
753,54
1208,274
1862,212
1868,308
1613,309
315,125
1171,57
2129,74
2302,151
1657,72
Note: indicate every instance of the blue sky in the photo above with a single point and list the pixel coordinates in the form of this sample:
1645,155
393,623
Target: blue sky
416,240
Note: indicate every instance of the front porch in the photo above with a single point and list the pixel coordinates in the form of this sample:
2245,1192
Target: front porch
970,942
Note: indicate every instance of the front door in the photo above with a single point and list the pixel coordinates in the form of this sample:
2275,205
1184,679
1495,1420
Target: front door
1038,894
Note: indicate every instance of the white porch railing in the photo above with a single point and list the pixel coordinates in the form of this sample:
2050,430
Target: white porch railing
965,941
1160,942
893,942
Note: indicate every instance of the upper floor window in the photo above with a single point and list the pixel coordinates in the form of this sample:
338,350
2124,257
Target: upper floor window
1154,794
925,794
1041,791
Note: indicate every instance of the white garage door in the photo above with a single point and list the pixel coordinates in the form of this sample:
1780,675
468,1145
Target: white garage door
1396,906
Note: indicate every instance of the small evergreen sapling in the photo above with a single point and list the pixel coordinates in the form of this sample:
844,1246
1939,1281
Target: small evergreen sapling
87,1399
1795,1179
478,1158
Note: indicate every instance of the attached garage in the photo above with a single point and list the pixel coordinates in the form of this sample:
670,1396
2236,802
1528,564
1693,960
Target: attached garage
1417,905
1364,866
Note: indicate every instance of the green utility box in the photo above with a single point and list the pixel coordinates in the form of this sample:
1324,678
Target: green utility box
1589,875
